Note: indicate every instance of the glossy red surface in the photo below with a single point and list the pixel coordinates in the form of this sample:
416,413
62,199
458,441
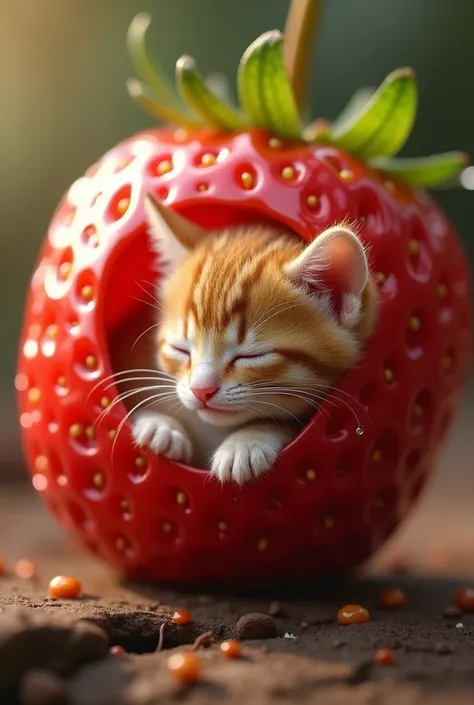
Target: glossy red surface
336,494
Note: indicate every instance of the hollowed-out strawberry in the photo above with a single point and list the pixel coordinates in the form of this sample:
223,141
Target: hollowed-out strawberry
344,484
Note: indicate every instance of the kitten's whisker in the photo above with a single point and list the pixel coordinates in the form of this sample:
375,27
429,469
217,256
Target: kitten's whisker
311,402
282,408
322,398
127,416
129,372
268,308
288,307
126,395
147,303
335,390
147,292
155,325
138,379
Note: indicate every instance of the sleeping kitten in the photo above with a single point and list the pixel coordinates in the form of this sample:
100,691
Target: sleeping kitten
256,327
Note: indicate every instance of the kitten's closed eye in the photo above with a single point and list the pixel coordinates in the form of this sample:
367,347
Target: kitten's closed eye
251,357
182,348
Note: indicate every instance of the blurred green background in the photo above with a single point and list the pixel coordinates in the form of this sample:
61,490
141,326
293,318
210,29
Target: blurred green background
62,79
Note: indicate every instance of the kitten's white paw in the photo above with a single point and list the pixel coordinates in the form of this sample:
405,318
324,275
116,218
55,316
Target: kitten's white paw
162,435
246,455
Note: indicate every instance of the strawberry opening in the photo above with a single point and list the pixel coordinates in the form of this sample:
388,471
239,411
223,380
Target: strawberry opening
127,307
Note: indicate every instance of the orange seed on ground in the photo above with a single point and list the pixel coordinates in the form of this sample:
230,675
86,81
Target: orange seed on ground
25,569
392,597
181,617
231,648
185,667
464,599
117,650
385,657
65,587
353,614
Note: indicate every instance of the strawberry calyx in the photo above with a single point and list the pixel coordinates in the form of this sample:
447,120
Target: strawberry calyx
374,126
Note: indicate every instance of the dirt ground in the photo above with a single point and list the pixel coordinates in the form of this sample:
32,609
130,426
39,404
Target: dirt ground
57,652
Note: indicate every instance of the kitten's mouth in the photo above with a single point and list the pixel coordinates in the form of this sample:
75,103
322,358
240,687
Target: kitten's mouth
213,411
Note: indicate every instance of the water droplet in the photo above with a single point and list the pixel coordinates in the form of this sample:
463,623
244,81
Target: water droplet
360,430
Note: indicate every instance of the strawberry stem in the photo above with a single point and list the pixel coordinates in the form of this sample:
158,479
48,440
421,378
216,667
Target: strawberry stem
304,18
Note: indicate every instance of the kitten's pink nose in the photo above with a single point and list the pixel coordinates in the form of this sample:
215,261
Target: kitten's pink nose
204,393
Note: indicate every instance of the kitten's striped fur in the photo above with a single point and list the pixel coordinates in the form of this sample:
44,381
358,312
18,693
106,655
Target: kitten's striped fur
248,316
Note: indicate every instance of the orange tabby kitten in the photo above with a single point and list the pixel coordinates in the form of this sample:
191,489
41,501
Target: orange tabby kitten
255,328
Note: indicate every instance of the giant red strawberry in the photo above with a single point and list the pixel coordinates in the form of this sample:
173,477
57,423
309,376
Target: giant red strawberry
341,488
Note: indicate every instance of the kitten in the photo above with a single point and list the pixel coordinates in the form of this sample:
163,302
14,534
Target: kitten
256,326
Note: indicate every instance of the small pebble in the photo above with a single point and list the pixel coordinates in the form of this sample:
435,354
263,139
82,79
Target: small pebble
339,644
443,647
256,626
40,687
276,610
452,612
304,625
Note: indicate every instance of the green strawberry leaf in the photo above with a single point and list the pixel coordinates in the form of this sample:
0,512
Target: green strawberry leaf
219,85
355,105
202,100
382,126
150,73
264,89
142,95
425,172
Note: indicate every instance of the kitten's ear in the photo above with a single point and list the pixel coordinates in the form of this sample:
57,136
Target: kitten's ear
334,270
172,236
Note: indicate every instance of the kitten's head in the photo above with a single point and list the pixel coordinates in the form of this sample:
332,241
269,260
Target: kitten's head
255,323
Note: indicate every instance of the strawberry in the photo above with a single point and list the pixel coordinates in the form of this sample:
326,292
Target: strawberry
340,489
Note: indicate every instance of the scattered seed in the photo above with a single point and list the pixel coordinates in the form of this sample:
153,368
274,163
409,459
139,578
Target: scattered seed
185,667
464,599
117,650
64,587
181,617
385,657
25,569
231,648
392,598
353,614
